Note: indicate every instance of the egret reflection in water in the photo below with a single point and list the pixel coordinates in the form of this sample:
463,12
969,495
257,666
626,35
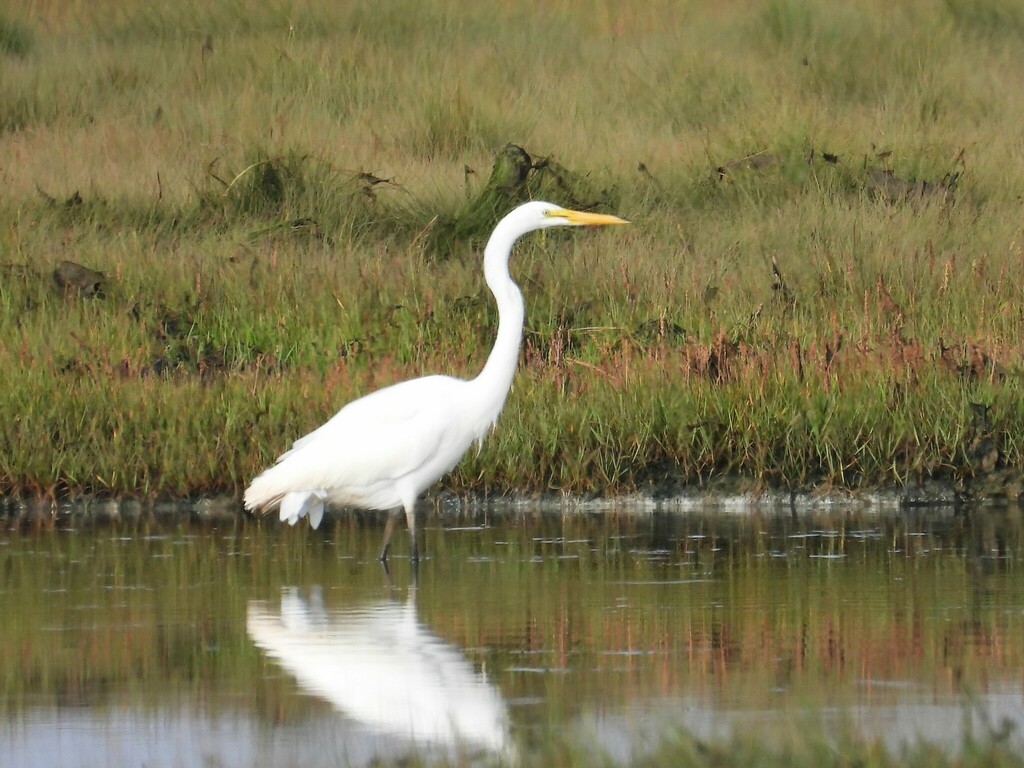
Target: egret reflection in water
381,666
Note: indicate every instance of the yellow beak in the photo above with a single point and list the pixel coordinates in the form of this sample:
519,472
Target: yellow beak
583,217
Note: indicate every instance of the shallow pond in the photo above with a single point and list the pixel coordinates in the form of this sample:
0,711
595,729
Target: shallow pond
177,638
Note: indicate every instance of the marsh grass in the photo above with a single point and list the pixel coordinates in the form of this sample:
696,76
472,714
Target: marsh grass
288,205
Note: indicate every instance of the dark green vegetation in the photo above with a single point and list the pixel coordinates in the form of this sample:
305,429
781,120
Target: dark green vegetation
780,620
286,205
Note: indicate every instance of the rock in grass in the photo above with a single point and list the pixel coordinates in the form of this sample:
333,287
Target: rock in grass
74,278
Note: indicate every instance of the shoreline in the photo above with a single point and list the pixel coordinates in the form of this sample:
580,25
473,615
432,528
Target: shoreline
930,496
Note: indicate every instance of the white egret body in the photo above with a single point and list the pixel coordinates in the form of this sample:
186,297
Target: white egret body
383,450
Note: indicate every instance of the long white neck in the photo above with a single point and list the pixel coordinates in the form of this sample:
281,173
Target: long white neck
495,379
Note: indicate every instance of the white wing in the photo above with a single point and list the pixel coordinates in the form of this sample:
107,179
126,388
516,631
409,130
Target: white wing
392,442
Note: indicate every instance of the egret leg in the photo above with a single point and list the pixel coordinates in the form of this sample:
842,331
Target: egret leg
387,574
410,517
389,528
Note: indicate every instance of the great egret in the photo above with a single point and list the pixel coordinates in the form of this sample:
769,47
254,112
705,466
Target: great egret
384,449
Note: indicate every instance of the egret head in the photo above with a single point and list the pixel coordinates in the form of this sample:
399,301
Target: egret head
550,215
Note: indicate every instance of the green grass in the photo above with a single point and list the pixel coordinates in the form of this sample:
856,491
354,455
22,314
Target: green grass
210,162
15,37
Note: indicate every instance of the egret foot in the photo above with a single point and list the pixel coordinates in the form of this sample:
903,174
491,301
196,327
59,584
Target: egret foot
389,528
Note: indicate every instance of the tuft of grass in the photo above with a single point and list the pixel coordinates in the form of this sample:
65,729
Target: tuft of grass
16,38
288,191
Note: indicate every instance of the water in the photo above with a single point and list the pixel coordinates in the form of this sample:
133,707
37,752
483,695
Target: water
175,639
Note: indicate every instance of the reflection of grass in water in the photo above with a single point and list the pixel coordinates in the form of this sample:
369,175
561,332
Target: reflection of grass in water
256,280
803,744
899,605
750,615
752,610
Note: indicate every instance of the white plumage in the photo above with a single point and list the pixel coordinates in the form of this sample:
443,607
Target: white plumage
383,450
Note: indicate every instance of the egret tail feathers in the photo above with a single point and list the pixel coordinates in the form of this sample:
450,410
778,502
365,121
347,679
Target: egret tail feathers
264,494
298,504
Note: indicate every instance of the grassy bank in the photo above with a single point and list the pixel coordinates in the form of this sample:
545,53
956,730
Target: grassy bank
286,206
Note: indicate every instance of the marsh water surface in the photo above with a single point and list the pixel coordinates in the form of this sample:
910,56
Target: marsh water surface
172,638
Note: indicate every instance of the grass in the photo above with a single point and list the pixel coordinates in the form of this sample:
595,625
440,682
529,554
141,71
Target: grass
287,204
